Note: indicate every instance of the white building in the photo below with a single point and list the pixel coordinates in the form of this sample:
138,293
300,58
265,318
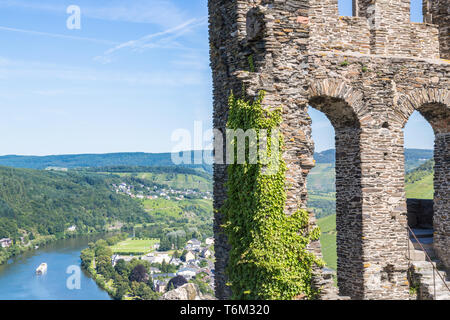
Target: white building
188,273
209,241
5,242
190,256
206,253
157,257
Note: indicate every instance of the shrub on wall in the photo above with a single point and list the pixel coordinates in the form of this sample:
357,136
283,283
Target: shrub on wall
269,259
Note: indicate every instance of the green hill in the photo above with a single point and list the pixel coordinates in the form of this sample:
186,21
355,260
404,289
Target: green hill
328,240
37,202
419,182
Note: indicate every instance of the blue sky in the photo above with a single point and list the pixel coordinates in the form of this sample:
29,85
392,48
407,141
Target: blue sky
135,72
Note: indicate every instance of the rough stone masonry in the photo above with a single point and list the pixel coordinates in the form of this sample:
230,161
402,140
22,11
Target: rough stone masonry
367,73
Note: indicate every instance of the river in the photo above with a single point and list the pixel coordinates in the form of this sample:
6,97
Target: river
18,280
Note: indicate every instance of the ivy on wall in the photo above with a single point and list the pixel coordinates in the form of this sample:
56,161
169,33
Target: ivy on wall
269,259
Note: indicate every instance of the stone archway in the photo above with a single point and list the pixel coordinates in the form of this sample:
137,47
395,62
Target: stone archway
434,105
341,104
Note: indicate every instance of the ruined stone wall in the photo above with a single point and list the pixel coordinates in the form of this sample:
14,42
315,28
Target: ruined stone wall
368,99
441,197
380,27
330,32
438,13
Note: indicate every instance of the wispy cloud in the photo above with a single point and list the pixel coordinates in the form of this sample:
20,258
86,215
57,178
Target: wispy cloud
162,39
37,71
163,13
55,35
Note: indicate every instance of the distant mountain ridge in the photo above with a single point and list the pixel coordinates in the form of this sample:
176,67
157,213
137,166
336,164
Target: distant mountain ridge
97,160
413,157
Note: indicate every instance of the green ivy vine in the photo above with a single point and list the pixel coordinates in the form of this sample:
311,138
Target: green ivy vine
269,259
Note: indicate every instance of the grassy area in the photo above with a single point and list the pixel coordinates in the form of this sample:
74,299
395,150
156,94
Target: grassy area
422,189
163,206
328,240
173,180
322,178
135,246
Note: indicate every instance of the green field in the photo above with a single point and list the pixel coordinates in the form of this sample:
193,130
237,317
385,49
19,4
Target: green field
179,209
322,178
422,189
137,247
328,240
173,180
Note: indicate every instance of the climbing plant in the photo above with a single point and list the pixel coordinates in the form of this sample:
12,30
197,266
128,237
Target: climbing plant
269,259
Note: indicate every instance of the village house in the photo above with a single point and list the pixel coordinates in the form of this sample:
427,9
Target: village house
176,262
160,286
5,242
209,241
72,229
194,245
117,257
188,273
154,270
189,256
206,253
157,257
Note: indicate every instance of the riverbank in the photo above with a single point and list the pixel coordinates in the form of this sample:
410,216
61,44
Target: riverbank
17,250
101,282
18,279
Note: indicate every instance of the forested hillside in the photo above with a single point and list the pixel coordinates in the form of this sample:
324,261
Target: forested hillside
48,202
95,160
419,182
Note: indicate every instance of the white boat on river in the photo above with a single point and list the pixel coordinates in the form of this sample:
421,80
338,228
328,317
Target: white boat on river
41,269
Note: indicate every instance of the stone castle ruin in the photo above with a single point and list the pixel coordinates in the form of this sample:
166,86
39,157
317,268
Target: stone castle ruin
368,73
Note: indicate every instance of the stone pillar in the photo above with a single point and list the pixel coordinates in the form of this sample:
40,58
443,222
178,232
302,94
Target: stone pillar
226,31
349,213
384,237
442,197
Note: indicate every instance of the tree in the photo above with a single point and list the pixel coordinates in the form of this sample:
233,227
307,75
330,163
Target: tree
203,264
122,289
122,268
176,282
164,244
145,292
139,274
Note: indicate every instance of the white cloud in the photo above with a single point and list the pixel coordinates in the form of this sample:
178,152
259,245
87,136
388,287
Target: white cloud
163,13
36,71
55,35
163,39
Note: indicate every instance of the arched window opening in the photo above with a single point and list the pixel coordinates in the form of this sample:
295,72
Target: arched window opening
322,184
417,10
428,214
332,196
419,179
